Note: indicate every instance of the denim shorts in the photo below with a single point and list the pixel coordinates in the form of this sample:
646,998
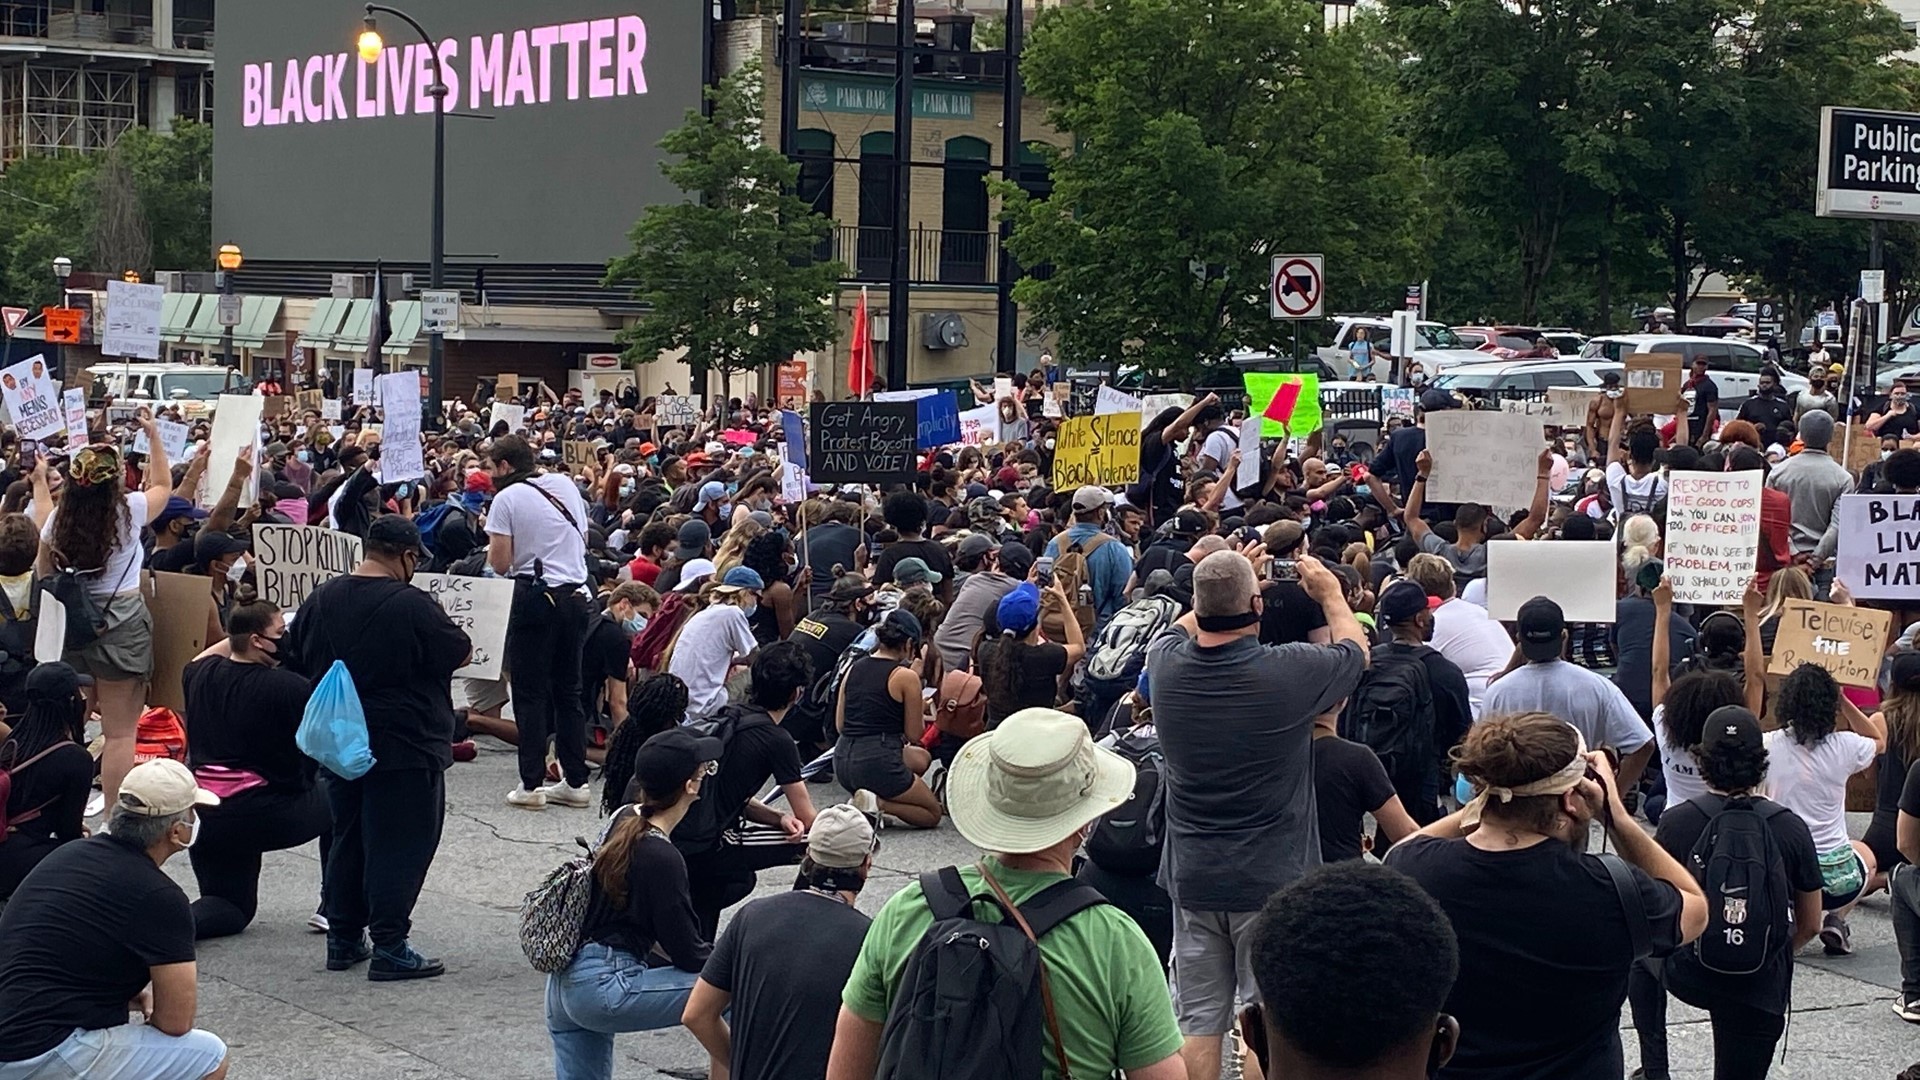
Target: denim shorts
127,1052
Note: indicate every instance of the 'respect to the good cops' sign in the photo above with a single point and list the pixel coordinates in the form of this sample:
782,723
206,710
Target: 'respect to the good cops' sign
1869,164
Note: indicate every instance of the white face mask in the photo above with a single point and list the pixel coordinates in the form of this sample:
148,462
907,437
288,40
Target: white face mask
751,609
193,834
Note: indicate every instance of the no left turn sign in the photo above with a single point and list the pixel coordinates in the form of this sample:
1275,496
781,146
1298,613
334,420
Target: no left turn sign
1298,288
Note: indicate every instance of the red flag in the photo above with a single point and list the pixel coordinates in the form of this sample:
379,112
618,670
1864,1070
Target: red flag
1280,409
860,352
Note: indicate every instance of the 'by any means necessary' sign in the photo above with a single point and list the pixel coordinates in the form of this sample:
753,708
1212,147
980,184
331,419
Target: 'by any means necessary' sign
863,442
1879,553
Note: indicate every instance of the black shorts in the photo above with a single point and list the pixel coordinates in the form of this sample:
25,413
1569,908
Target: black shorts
874,762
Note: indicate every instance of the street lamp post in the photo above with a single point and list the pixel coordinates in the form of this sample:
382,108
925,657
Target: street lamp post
230,260
62,270
370,48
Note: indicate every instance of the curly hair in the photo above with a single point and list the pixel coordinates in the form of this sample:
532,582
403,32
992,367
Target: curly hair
1508,751
654,704
1729,767
87,523
1691,698
766,555
1808,702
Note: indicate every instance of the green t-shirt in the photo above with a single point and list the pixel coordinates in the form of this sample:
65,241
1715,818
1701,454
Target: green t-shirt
1108,986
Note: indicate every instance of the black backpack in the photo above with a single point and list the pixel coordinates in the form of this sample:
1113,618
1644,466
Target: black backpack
1128,839
975,1003
1391,711
1739,866
699,832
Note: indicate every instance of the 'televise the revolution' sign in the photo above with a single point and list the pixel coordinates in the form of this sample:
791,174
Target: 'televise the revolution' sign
1869,164
864,442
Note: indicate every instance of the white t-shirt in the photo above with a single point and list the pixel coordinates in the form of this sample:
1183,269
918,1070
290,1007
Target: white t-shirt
540,531
1476,643
1220,446
1812,781
1475,593
1679,767
1632,496
122,572
709,644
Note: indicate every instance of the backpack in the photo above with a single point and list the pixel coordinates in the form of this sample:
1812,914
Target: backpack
1115,657
1741,869
1072,571
555,911
9,825
974,1002
159,735
699,832
650,644
960,706
1391,711
429,523
1128,839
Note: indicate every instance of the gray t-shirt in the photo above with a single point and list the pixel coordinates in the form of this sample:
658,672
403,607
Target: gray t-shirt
1585,699
973,598
1236,729
1467,565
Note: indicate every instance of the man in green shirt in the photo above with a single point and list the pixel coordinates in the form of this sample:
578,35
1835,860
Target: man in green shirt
1026,793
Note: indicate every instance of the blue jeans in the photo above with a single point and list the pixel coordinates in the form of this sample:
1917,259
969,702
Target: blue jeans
607,990
123,1052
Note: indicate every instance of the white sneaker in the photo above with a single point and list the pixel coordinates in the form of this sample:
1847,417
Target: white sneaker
96,804
567,795
528,800
317,923
869,804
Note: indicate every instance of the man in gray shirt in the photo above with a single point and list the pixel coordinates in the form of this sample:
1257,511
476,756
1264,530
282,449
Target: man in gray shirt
1814,483
995,573
1586,699
1235,721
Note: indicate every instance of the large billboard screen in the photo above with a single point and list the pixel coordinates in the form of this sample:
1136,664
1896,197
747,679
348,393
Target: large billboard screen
1869,164
319,156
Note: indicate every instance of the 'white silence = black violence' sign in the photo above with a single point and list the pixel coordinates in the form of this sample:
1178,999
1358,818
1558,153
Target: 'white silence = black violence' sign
1879,553
294,560
863,442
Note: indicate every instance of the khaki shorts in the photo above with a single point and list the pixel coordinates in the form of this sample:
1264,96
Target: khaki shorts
125,652
1212,964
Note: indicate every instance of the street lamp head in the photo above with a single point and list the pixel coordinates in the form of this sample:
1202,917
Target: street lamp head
62,267
370,43
132,277
230,257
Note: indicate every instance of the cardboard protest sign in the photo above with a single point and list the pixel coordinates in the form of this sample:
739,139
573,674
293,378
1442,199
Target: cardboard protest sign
274,406
1576,574
132,320
1847,641
180,605
1879,553
236,425
1713,535
514,416
330,409
33,400
864,442
173,441
1570,403
1862,447
506,387
1102,450
1107,400
1152,405
576,455
676,410
1653,382
1263,386
938,420
73,402
363,391
292,560
1484,457
480,607
307,401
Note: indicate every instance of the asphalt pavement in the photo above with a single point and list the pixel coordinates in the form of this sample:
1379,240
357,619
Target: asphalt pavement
285,1017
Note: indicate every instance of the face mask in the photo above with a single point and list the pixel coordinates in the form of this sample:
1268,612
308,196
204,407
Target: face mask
306,455
1462,790
1049,444
1885,454
1419,377
746,451
760,504
635,623
750,610
626,488
193,833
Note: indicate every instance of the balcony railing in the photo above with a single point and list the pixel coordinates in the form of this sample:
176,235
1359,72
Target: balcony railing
935,256
21,18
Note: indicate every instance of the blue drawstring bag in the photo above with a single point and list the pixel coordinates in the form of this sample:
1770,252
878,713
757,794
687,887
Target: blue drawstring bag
333,730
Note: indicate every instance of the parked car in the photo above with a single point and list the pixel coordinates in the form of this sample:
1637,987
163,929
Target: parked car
1569,342
1734,366
1507,342
1487,383
195,388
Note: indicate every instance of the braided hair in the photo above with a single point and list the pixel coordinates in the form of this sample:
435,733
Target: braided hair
654,704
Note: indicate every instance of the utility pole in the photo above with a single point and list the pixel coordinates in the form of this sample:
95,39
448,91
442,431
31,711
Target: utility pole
899,308
1012,167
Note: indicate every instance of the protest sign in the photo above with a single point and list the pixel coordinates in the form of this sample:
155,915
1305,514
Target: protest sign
676,410
179,605
576,455
236,426
793,435
1262,386
308,401
292,560
1102,450
1484,457
480,607
864,442
1249,472
32,400
1002,387
1107,401
1653,382
1713,534
506,387
401,456
50,635
793,480
1570,403
330,409
1847,641
1152,405
909,394
1879,553
1862,447
1050,407
274,406
1576,574
939,420
363,391
1397,401
980,426
73,402
132,320
514,416
173,441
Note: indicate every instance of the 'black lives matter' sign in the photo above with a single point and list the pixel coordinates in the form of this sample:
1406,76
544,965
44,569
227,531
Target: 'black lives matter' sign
863,442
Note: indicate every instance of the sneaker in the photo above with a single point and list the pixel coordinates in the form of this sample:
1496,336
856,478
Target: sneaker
394,965
464,750
317,922
96,804
343,954
1907,1009
566,794
1836,937
528,800
936,781
869,804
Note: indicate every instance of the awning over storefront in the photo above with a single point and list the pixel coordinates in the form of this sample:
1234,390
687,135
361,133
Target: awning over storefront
176,314
324,323
404,321
257,314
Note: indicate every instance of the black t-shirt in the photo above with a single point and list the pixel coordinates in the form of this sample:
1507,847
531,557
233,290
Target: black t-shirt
1289,614
785,960
602,657
1766,989
401,650
58,784
1903,424
1544,954
79,939
1706,398
243,716
658,908
177,559
1036,678
1166,554
1157,461
827,545
757,750
1348,782
932,551
1395,461
824,635
1633,644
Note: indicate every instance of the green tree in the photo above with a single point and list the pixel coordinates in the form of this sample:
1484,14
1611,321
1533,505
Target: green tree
730,275
44,214
173,176
1208,136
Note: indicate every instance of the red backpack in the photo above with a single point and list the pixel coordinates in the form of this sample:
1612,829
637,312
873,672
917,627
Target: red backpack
10,825
160,735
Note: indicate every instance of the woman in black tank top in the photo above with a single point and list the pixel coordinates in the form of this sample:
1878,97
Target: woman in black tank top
881,716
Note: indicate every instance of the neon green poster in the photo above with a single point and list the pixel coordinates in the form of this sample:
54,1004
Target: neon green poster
1262,385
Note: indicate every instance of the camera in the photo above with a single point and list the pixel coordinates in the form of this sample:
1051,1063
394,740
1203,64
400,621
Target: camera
1043,572
1283,570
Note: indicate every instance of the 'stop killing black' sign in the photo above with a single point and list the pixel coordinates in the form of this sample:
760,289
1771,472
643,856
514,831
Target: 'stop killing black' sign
1869,164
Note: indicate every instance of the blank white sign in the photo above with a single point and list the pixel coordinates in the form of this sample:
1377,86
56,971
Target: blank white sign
1576,574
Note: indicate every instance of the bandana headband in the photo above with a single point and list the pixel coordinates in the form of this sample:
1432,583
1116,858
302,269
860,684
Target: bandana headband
1557,783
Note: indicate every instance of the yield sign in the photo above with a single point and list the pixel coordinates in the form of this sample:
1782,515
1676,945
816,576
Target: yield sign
12,317
1298,288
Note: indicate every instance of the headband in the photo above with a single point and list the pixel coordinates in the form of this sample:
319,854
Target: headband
1556,783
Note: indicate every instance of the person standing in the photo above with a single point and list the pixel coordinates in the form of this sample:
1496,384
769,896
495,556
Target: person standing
537,535
1235,722
402,651
1814,483
1816,395
1704,414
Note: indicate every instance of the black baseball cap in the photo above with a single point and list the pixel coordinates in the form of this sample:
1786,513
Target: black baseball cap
1609,377
1015,559
1542,626
1436,400
1401,601
1731,725
210,544
671,757
1904,673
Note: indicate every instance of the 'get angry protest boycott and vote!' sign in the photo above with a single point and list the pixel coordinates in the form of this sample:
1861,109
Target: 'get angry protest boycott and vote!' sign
1879,553
1713,535
864,442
